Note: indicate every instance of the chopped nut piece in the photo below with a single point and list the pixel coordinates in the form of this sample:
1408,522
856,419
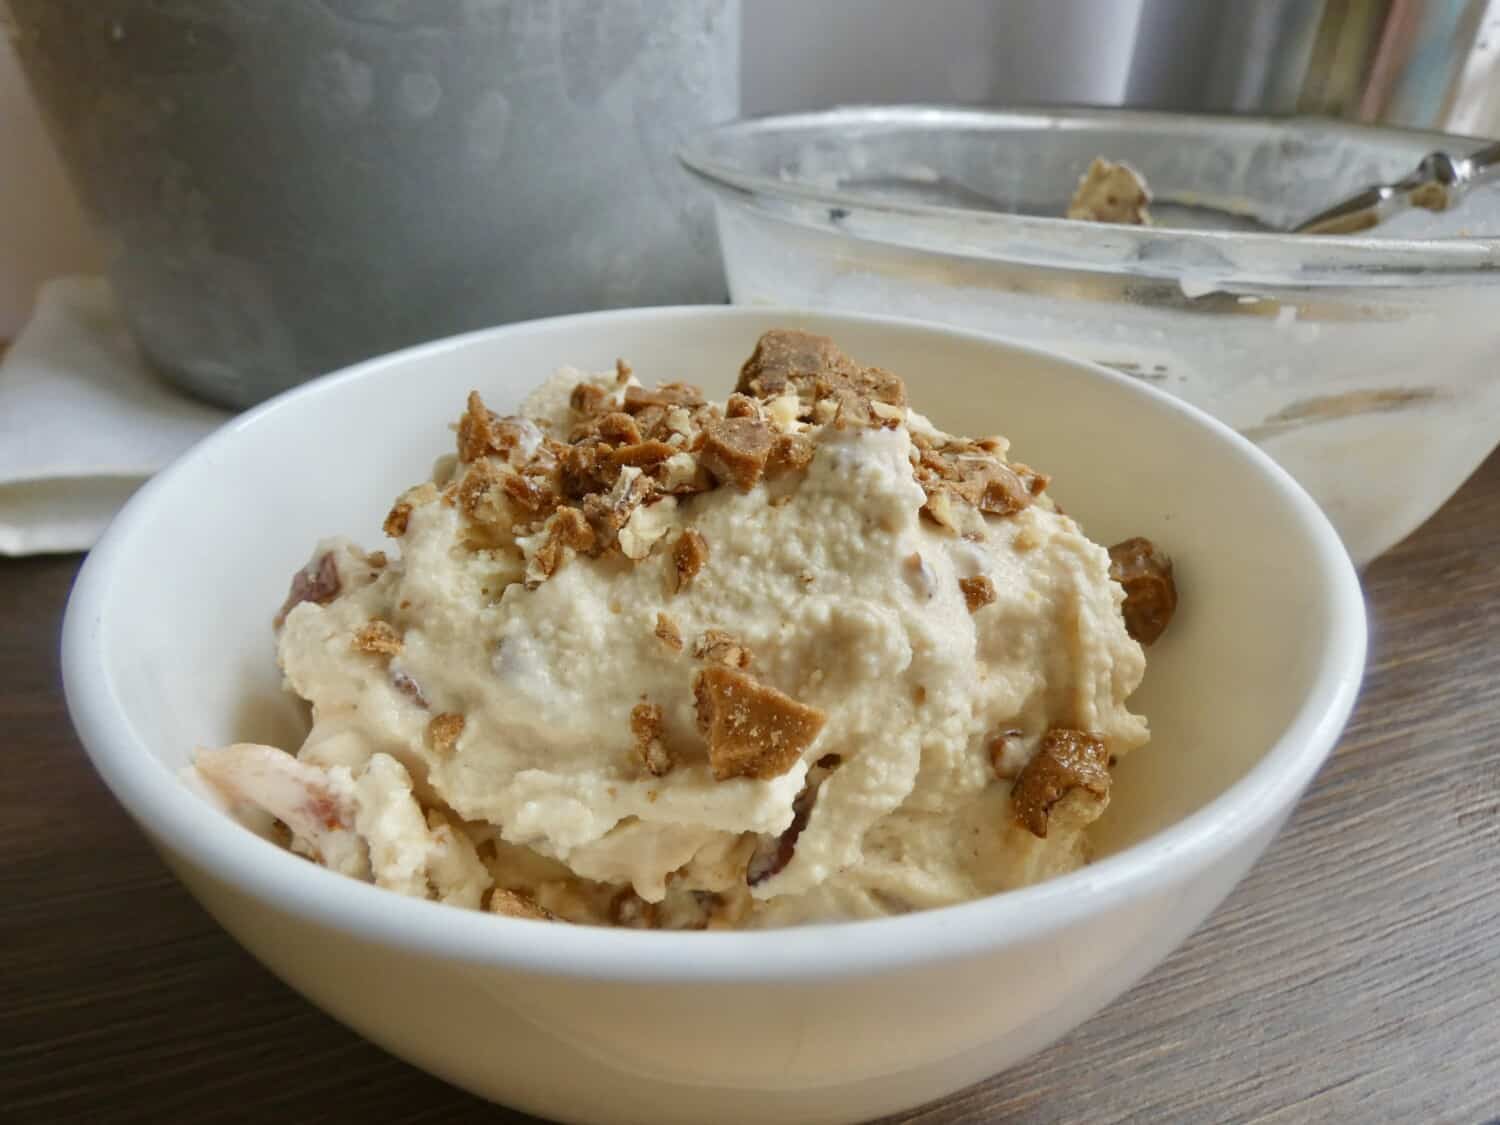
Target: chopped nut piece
1150,590
741,406
482,432
1111,193
567,530
998,745
396,521
645,725
376,560
669,632
688,557
753,730
513,904
642,454
789,453
919,576
1067,760
317,582
979,591
735,450
667,394
718,647
443,731
528,494
1004,493
588,399
377,638
619,428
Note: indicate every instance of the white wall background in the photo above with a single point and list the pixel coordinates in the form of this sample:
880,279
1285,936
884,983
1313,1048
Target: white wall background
798,54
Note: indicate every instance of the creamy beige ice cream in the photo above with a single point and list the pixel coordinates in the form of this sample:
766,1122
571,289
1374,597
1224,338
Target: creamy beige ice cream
649,660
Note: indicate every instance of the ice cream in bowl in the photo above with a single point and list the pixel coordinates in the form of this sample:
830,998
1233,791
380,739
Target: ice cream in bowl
714,714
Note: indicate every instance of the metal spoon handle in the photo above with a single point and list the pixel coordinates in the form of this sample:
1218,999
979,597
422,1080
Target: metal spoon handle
1439,182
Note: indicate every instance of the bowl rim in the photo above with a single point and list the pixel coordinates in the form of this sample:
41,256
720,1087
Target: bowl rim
190,829
1345,254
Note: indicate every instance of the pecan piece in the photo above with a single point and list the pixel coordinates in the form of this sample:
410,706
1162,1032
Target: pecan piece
669,632
783,355
1150,591
1066,760
753,730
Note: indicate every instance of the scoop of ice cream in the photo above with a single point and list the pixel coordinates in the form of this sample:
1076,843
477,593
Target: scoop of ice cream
652,660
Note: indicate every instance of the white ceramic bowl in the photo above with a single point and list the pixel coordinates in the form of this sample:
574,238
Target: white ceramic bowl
167,644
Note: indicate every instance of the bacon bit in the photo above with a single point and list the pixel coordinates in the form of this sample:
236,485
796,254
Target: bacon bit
979,592
316,582
773,853
668,632
630,910
513,904
689,556
789,453
753,730
378,638
665,395
645,726
998,744
443,732
735,450
1067,760
716,646
408,687
1150,590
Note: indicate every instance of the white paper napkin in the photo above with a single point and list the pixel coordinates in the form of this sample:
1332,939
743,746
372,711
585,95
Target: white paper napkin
83,421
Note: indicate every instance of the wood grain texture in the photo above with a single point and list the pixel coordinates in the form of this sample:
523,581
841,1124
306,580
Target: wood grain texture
1354,976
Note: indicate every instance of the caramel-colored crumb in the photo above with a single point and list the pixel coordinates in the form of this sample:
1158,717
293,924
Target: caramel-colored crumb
1067,760
444,730
753,730
646,726
735,450
979,592
669,632
689,555
1150,590
378,638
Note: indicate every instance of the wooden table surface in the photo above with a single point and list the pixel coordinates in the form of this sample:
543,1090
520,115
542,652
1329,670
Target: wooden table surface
1353,977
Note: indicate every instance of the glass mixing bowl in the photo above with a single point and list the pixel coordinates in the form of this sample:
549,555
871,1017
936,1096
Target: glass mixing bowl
1368,365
